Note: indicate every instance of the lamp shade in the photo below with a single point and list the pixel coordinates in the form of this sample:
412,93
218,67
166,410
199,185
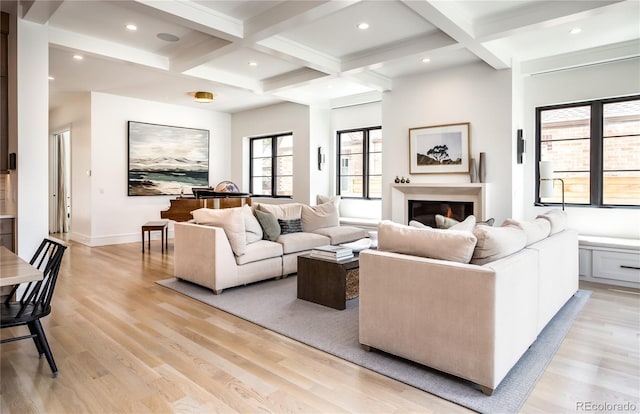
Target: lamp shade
203,97
546,188
546,170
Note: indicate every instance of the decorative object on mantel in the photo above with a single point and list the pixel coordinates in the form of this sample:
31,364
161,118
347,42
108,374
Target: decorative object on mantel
402,180
397,180
473,171
482,168
407,181
439,149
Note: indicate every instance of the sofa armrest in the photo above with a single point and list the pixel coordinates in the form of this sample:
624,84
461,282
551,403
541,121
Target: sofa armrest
468,320
203,255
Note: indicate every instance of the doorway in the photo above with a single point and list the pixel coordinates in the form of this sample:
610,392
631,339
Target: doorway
60,182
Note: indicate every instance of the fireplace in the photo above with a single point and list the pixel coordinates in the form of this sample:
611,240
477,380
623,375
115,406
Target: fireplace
425,211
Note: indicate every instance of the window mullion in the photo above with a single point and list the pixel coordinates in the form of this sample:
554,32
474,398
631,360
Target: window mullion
596,169
365,164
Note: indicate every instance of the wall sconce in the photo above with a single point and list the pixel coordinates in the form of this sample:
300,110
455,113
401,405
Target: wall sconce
520,147
321,158
203,97
547,181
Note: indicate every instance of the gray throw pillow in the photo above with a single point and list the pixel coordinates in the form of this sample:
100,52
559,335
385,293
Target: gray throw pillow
290,226
269,224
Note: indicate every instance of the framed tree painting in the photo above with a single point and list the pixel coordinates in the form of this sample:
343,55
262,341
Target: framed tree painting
439,149
166,160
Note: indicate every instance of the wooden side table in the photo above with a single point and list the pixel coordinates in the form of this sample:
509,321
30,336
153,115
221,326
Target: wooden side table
327,282
162,226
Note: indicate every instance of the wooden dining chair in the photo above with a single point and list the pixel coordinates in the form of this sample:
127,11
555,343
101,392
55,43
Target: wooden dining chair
33,300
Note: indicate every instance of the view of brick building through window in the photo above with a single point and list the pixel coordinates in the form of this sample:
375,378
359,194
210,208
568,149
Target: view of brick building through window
266,179
565,139
360,171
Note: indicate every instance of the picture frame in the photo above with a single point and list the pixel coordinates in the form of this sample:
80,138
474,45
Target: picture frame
166,160
439,149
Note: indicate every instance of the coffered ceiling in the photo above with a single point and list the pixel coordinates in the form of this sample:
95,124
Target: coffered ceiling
253,53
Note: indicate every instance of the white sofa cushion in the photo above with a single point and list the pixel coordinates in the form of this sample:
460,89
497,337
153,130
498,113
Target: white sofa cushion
453,245
289,211
557,218
320,216
496,242
229,219
535,230
260,250
251,225
466,225
298,242
342,234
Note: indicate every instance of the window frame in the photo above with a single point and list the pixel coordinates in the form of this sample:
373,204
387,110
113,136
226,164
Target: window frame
365,162
274,157
596,151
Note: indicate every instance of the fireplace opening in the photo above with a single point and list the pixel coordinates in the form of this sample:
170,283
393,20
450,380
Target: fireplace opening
425,211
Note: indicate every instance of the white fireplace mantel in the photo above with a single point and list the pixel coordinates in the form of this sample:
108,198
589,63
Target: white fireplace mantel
402,193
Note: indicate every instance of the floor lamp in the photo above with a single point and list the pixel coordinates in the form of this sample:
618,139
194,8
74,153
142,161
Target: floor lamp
547,181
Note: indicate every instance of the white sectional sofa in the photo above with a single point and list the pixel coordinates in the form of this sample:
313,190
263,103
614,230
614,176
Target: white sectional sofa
230,247
473,320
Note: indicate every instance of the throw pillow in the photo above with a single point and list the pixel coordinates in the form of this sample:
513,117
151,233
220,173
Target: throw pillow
287,211
534,231
290,226
557,218
443,222
251,225
229,219
496,242
321,199
466,225
452,245
487,222
269,224
419,225
320,216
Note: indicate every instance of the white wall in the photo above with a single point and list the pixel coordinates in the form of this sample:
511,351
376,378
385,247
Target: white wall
76,115
351,117
33,138
273,119
102,212
320,182
580,84
472,93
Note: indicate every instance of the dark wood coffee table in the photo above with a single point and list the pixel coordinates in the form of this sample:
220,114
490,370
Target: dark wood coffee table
328,282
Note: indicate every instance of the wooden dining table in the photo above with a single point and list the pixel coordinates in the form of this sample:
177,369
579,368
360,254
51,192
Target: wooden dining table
14,270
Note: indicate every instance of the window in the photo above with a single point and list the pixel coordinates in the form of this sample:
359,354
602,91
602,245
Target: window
271,168
595,149
360,163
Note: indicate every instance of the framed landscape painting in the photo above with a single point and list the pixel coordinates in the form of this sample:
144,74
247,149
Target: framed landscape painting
439,149
166,160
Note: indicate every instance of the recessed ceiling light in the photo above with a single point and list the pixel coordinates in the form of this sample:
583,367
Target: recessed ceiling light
167,37
51,78
363,26
426,60
132,27
575,30
252,63
77,57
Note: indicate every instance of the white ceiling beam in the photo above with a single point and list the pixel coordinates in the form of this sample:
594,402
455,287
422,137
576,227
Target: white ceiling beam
446,17
39,11
227,78
289,15
421,44
199,17
95,46
295,78
370,79
300,54
539,14
593,56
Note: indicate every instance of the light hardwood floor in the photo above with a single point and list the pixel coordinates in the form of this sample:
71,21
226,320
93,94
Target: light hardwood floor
125,344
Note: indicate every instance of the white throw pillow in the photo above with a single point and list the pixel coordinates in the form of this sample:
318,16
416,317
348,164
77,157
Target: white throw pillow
535,230
320,216
251,225
467,225
229,219
418,225
289,211
453,245
496,242
557,218
321,199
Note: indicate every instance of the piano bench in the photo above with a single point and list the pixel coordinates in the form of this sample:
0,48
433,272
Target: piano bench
163,227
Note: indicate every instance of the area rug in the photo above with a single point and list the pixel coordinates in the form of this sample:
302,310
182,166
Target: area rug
273,305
